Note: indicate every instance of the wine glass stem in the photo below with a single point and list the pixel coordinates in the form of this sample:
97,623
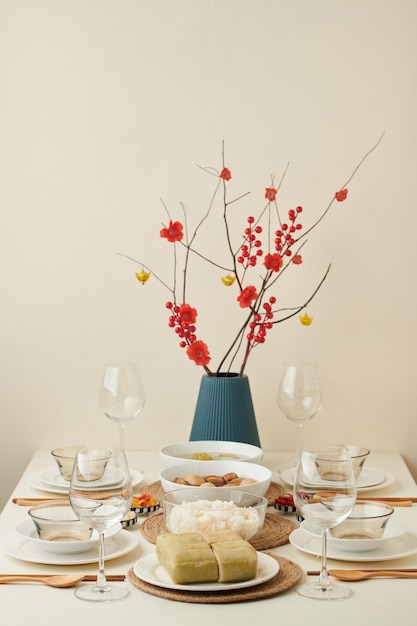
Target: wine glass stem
101,584
122,435
324,576
298,442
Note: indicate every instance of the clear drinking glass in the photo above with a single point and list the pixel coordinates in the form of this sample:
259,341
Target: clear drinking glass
325,494
299,396
101,499
122,394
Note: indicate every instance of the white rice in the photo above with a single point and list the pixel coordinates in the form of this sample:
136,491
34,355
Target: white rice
207,515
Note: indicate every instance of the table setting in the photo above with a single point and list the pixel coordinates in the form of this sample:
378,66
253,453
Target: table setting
126,511
279,539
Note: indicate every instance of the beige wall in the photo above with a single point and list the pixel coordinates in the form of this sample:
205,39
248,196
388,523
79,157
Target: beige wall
107,106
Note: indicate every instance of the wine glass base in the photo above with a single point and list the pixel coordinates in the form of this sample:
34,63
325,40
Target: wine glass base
315,591
92,593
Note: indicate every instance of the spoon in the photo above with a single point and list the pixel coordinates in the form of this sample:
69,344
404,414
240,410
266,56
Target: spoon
67,580
354,574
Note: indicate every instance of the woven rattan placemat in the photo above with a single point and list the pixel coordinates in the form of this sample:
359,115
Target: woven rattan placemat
275,531
274,491
289,574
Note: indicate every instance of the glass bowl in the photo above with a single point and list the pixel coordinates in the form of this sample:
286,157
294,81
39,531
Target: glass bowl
65,458
187,510
58,522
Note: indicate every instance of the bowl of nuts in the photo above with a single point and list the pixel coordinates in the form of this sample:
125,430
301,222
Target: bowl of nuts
210,475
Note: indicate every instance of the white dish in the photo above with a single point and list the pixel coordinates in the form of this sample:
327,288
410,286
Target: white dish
27,530
394,529
219,450
149,570
260,474
403,546
26,550
369,479
36,481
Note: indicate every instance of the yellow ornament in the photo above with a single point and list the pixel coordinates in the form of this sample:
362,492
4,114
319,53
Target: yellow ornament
305,320
142,276
228,280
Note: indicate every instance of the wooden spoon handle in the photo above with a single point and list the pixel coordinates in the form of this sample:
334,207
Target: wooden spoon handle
20,578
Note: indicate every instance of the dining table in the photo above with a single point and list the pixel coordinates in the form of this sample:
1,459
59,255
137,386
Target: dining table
379,601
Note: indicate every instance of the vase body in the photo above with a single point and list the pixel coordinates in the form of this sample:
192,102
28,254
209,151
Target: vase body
224,410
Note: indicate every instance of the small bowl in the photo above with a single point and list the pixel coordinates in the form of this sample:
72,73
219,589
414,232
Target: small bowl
129,520
58,522
185,510
65,458
215,450
367,521
358,454
257,476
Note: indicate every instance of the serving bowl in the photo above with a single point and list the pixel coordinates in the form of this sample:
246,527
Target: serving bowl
368,527
250,477
57,522
209,450
185,510
27,530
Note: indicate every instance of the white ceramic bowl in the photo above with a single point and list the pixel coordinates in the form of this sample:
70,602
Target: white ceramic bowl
258,473
218,450
27,530
224,509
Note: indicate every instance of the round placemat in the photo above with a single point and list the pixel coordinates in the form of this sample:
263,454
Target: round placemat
289,574
275,531
274,491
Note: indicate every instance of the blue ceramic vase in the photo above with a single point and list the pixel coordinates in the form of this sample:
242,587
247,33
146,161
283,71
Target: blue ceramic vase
224,410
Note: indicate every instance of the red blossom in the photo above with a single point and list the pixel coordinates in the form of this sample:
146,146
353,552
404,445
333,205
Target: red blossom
273,262
297,259
173,233
188,314
247,296
199,353
270,194
341,195
226,174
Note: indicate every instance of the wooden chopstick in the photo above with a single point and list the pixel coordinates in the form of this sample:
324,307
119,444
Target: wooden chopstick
87,577
317,573
33,501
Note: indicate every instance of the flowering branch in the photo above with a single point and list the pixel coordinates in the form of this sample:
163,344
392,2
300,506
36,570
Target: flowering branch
283,250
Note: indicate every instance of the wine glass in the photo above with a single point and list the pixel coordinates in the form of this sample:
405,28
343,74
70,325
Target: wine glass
325,494
299,396
100,494
122,395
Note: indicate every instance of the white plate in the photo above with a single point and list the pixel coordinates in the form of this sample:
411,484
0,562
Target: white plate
36,481
26,550
27,530
369,479
149,570
52,477
395,528
399,548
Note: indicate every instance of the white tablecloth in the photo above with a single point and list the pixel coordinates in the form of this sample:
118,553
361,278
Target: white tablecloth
382,602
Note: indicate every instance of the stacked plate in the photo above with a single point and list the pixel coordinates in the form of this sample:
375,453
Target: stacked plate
369,479
51,480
